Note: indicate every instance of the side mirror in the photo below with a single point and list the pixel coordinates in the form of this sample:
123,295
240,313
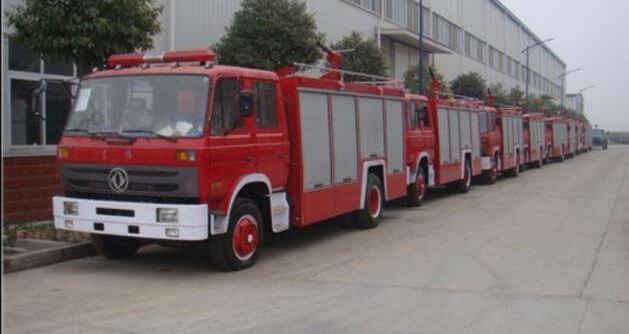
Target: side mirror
245,103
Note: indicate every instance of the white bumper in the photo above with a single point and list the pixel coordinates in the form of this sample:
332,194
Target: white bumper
485,163
193,219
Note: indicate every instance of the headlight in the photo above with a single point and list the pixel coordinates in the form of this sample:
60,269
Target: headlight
70,208
167,215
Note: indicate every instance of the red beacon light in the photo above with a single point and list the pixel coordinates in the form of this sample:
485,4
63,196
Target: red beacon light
136,59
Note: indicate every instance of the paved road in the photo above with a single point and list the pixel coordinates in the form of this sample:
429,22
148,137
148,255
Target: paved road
547,252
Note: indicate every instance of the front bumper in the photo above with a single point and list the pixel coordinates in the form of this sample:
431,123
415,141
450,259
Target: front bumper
139,220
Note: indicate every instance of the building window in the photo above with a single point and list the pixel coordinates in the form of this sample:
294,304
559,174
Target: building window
22,59
35,121
372,5
492,57
26,126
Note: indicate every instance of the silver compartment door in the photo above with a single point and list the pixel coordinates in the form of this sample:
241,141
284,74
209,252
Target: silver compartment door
315,140
455,136
345,145
371,127
395,137
444,136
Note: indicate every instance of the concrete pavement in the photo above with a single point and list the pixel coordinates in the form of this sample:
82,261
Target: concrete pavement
547,252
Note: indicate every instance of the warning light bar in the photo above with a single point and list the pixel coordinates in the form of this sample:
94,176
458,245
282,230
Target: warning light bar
137,59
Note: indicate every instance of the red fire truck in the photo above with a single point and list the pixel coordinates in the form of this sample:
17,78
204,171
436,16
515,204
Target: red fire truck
556,138
534,138
573,137
176,148
443,143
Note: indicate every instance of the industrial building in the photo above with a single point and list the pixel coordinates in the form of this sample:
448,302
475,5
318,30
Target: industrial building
460,36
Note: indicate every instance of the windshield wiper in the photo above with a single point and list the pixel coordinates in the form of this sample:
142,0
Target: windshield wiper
105,134
151,132
85,131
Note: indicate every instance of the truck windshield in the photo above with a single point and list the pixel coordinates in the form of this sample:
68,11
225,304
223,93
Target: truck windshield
172,106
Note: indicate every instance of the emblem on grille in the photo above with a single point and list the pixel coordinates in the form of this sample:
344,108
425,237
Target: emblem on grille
118,179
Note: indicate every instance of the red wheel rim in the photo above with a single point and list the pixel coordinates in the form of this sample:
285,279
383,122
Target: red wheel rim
375,204
421,185
246,237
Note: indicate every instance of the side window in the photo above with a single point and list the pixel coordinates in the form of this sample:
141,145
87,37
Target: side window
412,115
225,114
265,95
422,113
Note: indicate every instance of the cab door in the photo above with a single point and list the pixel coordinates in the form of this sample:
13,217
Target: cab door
272,146
232,141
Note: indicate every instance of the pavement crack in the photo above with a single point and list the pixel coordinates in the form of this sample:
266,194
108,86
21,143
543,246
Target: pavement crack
604,235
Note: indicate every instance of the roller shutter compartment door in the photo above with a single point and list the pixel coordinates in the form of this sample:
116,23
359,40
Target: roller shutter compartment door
395,137
345,145
315,140
371,118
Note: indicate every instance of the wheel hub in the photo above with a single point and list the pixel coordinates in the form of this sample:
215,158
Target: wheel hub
246,237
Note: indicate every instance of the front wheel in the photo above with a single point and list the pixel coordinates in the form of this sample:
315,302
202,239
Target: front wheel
114,247
369,216
238,248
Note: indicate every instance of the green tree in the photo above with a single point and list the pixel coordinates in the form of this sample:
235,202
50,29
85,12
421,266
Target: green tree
500,94
86,32
411,78
470,85
270,34
365,56
516,96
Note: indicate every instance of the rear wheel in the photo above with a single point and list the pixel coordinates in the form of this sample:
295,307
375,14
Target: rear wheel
562,156
369,217
114,247
464,185
522,166
417,191
238,248
540,162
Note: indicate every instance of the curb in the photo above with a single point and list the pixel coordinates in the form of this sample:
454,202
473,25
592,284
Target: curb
44,257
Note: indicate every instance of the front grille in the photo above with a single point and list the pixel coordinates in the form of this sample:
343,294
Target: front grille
135,199
142,181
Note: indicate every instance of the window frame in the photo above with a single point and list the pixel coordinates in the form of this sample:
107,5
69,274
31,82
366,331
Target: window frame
243,130
8,148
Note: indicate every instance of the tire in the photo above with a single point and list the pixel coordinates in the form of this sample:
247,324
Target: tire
515,171
238,248
369,217
417,191
490,176
562,156
540,162
114,247
464,185
522,166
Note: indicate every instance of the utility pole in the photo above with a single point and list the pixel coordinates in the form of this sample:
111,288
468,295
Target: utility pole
528,68
563,95
420,80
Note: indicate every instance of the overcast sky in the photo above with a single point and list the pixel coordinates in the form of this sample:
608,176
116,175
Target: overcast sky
593,35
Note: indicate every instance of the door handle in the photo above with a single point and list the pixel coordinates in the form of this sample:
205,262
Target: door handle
249,159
